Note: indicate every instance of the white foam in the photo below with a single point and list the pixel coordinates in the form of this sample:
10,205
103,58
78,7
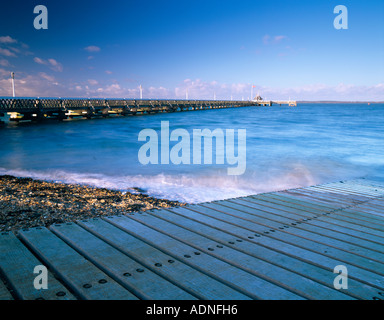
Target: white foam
194,188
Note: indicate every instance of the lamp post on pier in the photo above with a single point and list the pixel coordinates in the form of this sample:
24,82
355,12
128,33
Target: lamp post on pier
13,83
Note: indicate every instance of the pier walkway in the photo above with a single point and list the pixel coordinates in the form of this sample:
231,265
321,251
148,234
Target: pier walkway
37,109
280,245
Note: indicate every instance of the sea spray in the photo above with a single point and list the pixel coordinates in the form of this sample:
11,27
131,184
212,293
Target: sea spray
196,188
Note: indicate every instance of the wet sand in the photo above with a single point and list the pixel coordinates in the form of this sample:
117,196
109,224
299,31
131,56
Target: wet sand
25,202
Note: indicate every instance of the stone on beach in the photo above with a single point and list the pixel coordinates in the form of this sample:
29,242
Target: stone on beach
26,203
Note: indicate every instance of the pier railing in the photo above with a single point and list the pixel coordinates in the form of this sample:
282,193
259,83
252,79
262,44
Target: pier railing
63,108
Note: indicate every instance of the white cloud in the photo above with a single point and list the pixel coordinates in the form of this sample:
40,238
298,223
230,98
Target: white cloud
113,88
7,53
52,63
5,73
92,49
46,76
157,92
267,39
279,38
15,50
38,60
198,89
11,47
323,92
116,90
93,82
43,84
4,63
56,66
40,85
108,72
7,39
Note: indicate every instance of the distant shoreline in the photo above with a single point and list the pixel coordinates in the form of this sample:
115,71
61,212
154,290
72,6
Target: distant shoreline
345,102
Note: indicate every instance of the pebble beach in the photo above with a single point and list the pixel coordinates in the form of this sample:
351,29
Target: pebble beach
26,203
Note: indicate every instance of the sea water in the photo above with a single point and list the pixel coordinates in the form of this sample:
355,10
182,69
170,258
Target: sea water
286,147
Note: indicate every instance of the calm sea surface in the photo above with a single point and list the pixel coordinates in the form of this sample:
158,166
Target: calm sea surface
286,147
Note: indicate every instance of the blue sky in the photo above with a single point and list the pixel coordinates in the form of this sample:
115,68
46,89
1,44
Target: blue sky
107,49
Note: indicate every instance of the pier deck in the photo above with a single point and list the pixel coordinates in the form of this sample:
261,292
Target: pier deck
278,245
37,109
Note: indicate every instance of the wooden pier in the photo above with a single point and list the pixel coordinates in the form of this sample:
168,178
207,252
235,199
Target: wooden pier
270,103
279,245
38,109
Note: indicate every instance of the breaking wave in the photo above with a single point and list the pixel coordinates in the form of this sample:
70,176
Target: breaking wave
191,188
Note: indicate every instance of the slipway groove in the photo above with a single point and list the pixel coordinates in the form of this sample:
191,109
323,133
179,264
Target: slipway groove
281,245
